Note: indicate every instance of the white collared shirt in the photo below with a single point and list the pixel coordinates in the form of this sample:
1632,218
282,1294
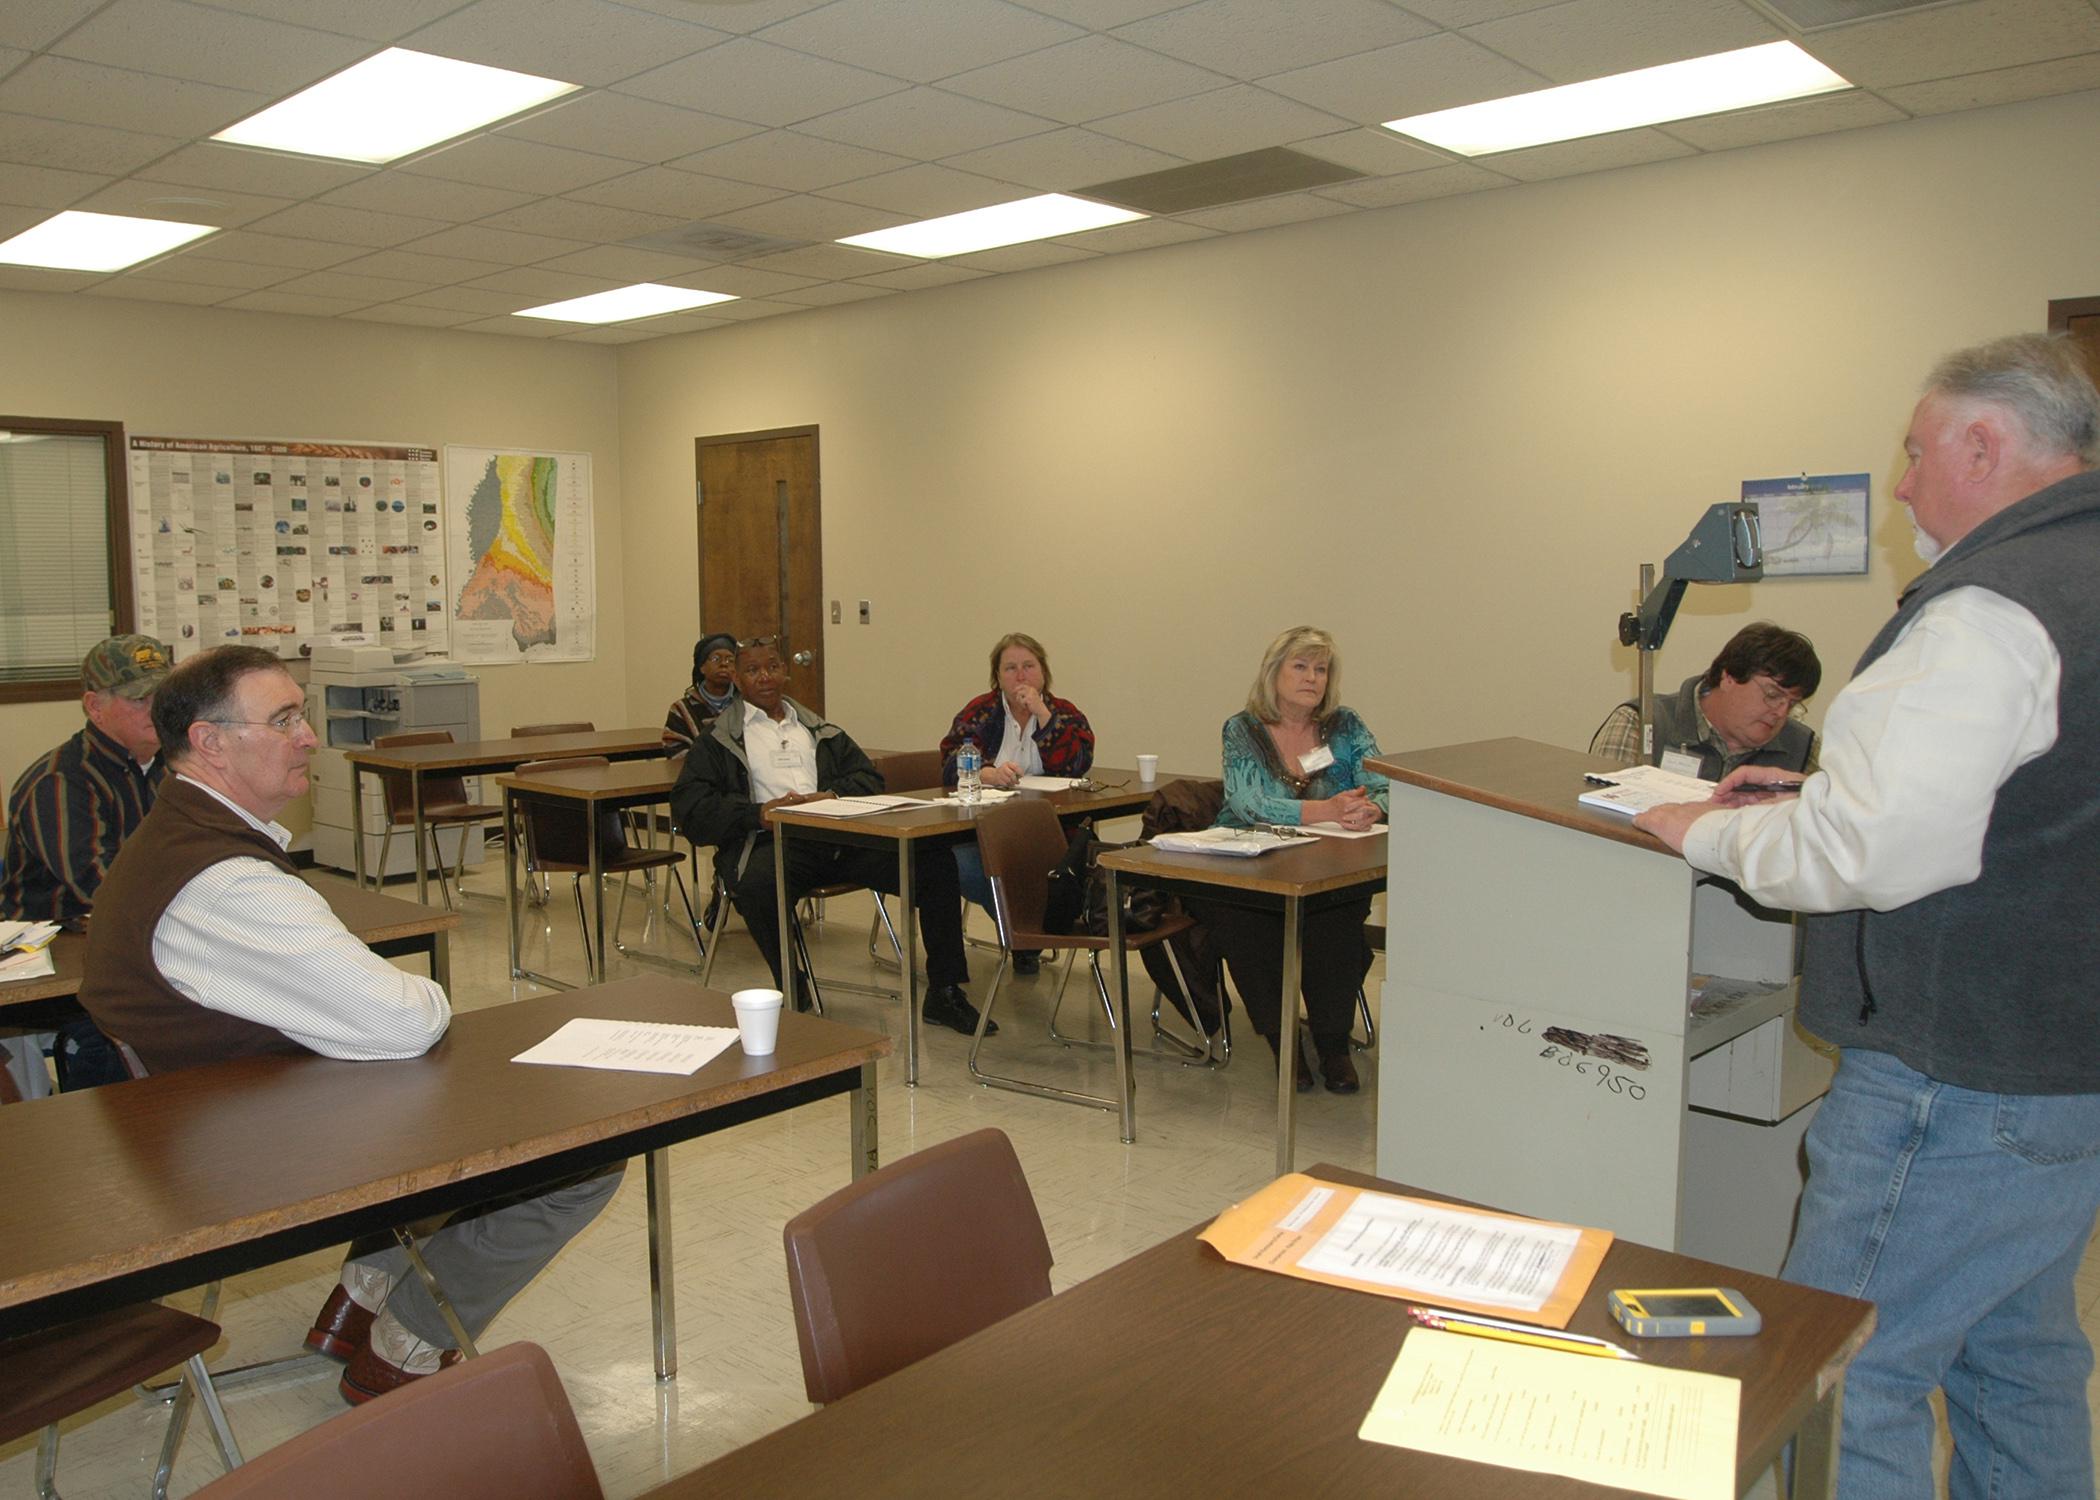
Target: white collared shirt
1017,746
248,939
780,754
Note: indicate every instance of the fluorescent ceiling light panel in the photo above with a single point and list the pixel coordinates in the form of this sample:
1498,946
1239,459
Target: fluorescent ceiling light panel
624,304
1013,223
80,241
390,105
1647,96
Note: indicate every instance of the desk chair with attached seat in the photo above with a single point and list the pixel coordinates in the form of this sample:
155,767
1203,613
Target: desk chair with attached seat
49,1375
536,886
910,1258
557,836
445,805
1022,841
498,1425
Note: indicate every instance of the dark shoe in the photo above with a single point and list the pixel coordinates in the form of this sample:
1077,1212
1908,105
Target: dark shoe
1305,1078
1339,1072
341,1330
1028,963
946,1005
372,1375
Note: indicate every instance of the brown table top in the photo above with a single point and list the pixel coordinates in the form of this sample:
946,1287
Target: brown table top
468,756
1309,869
373,917
1177,1373
1119,791
1519,776
242,1163
621,781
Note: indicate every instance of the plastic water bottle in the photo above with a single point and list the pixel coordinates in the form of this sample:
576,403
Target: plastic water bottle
969,769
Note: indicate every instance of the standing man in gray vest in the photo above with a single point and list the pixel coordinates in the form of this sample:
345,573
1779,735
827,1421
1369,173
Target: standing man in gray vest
1949,851
1740,713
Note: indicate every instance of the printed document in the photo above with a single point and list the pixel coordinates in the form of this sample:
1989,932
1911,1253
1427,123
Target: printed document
631,1046
1634,1426
1637,788
1049,783
1332,830
872,805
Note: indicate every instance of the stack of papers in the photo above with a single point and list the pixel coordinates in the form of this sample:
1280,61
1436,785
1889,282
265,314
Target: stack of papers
1337,831
1049,783
1241,843
857,807
26,949
986,796
631,1046
1638,788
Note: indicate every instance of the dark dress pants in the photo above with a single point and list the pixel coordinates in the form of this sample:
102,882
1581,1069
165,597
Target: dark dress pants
1333,960
935,894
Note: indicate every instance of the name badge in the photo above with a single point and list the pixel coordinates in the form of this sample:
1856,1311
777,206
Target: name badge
1682,762
1319,758
786,759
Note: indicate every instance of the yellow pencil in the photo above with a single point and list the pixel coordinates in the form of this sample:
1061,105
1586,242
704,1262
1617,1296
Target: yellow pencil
1517,1333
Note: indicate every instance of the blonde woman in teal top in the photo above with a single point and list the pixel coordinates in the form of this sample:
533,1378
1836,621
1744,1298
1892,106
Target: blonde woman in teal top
1295,756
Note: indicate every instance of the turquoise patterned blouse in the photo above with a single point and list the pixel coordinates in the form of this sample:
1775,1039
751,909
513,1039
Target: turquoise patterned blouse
1255,791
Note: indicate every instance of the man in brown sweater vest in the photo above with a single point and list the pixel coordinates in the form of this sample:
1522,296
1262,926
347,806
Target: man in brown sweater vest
206,945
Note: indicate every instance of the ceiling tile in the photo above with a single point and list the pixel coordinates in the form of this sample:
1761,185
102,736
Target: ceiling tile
749,80
517,328
426,270
686,196
160,200
239,274
1780,122
919,39
358,289
750,309
273,250
1250,38
37,279
926,191
1266,213
11,58
925,123
463,299
740,281
918,278
546,286
289,302
78,148
46,187
1140,234
1413,78
622,264
578,41
375,20
727,15
14,218
1222,122
616,334
38,23
1594,38
1102,14
1472,12
567,218
2000,85
1414,187
353,226
91,94
1624,148
1379,153
238,169
803,216
152,289
1084,79
522,166
1977,37
179,40
1029,257
791,162
401,312
506,246
1059,160
397,192
697,321
829,261
630,128
830,293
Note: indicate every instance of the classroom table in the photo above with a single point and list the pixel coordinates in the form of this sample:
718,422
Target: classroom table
1312,876
636,783
390,927
1178,1373
136,1190
473,758
1111,793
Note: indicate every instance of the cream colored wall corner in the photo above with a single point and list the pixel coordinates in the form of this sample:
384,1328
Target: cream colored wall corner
200,371
1449,432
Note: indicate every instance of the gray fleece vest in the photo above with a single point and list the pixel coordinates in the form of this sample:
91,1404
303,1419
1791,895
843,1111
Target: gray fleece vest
1677,727
1991,985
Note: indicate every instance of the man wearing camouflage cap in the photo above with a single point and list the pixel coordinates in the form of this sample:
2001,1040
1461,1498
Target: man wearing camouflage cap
69,812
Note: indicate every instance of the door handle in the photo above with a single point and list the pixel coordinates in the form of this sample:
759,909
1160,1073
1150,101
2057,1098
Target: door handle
804,658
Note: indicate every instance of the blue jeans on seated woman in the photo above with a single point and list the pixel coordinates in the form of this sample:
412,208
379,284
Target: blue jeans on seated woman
1964,1217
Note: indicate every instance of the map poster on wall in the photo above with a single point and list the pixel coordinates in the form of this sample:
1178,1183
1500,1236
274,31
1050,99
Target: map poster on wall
519,541
1812,523
286,545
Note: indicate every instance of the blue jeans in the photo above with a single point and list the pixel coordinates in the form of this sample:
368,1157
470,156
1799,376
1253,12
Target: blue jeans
1963,1216
969,873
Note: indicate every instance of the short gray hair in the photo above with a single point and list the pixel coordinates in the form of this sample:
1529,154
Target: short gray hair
2040,379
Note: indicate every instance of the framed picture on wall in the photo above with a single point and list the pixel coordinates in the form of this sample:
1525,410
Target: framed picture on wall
1813,524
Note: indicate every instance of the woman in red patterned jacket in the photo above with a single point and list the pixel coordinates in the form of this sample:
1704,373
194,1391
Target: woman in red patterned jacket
1022,730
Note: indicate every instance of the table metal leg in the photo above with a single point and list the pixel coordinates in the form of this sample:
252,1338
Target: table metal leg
510,875
860,1105
415,798
1119,959
441,960
663,1289
597,873
781,906
1287,1036
1816,1447
357,823
908,934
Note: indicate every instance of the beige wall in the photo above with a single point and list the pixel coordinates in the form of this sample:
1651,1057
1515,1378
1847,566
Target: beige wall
1449,432
181,370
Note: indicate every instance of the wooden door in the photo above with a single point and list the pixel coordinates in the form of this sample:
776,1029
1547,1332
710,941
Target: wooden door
2080,318
761,554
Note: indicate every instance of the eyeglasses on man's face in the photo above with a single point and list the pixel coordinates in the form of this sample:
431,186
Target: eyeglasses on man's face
290,722
1786,700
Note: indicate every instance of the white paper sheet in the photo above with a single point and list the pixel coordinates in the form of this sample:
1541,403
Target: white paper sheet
1048,783
1638,788
631,1046
1443,1256
1337,831
855,807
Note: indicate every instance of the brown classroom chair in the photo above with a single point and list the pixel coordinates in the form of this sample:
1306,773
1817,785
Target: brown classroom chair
907,1260
445,805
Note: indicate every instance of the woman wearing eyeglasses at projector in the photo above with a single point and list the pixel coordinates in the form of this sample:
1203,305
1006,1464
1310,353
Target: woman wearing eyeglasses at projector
1294,756
1021,729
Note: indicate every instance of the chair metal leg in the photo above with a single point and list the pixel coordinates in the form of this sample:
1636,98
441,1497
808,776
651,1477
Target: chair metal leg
429,1279
1025,1085
215,1414
583,924
809,970
47,1463
1193,1055
178,1419
1363,1007
437,860
714,938
386,842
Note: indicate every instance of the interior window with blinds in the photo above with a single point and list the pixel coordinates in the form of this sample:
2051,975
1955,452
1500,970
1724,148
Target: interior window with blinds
58,595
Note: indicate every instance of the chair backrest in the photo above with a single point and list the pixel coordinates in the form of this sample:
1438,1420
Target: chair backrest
535,731
497,1425
911,1258
1021,842
400,802
555,828
908,770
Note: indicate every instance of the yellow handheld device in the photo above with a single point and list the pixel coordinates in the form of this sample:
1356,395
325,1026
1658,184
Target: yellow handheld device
1685,1312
